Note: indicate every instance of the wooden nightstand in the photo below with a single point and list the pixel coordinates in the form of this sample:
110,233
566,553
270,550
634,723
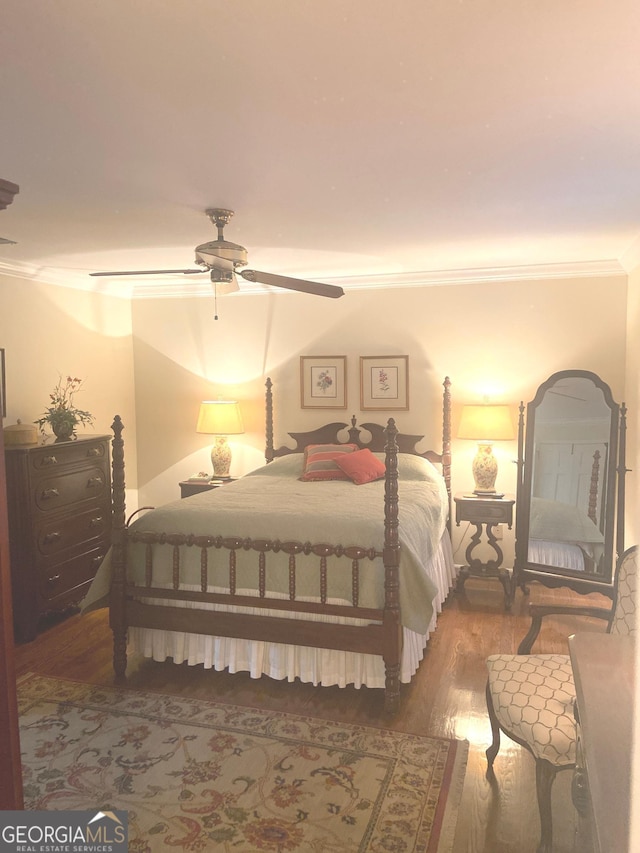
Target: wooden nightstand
488,512
195,487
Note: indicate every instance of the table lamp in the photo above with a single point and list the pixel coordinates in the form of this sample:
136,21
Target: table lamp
485,424
220,418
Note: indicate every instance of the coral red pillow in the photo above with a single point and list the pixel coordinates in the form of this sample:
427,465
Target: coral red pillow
320,461
362,466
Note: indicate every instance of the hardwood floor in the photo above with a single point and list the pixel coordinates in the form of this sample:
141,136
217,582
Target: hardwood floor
446,698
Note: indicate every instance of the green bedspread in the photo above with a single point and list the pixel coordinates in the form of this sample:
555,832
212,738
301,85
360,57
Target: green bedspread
272,503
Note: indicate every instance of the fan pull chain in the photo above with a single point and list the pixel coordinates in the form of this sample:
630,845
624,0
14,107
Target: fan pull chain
215,301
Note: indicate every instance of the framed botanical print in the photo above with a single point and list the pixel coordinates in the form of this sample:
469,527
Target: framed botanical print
384,382
323,382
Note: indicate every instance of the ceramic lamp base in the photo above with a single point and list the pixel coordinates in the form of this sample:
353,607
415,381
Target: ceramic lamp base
221,457
485,470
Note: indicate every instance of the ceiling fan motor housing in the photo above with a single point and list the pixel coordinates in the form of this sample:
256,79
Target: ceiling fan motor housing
208,252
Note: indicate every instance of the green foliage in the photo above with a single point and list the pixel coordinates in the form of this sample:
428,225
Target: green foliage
62,411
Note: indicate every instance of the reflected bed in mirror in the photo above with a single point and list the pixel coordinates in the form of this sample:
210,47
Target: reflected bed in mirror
564,536
569,459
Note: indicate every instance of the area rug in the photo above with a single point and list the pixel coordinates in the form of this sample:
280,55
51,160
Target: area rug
197,775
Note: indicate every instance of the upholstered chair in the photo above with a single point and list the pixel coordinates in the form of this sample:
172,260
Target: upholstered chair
530,697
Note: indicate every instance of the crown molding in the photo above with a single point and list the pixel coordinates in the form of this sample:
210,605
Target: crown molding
480,275
182,286
630,259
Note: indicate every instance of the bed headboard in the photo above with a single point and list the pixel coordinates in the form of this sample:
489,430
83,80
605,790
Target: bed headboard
328,434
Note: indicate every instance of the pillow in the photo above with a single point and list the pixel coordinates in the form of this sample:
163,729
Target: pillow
320,461
362,466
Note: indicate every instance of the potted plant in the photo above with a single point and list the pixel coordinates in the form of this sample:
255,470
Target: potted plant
62,415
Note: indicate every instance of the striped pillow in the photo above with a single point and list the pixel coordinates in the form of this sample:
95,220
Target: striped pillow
319,461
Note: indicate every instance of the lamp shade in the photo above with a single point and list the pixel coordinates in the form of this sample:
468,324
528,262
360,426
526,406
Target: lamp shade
486,423
220,417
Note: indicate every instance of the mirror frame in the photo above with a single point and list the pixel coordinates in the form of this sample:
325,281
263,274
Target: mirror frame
553,576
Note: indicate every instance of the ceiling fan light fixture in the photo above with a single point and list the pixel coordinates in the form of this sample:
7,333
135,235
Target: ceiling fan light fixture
224,281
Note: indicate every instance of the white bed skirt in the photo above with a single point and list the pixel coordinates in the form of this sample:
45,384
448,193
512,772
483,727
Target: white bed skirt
285,662
562,555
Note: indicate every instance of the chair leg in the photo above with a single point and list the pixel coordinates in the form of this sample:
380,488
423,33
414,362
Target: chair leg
495,731
545,774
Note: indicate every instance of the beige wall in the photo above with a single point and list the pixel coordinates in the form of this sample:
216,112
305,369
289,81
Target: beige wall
632,396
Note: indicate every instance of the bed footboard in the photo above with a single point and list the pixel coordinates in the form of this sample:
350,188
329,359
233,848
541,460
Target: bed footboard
148,603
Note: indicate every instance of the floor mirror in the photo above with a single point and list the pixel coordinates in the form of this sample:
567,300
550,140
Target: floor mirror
570,486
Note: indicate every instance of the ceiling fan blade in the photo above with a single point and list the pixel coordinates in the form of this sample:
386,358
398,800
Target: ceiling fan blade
314,287
150,272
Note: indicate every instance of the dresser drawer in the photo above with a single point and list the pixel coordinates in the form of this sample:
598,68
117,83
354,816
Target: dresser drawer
67,454
63,583
64,533
65,489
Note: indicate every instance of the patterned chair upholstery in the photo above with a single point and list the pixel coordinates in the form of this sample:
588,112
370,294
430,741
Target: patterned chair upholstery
530,697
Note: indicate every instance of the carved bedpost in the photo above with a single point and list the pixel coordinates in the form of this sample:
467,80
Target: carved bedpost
117,614
268,453
521,546
592,511
391,559
520,463
446,441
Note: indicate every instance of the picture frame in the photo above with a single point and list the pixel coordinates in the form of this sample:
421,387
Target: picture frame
323,382
3,393
384,383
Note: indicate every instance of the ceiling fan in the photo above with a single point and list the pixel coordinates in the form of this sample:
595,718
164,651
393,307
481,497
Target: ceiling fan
223,260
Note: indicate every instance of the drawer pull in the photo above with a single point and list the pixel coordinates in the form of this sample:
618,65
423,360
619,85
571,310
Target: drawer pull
92,482
93,451
96,522
54,536
47,494
53,580
49,460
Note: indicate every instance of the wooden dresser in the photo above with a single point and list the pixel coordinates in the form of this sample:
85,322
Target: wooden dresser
59,506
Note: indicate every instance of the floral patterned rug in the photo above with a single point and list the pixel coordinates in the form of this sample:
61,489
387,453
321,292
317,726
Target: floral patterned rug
196,775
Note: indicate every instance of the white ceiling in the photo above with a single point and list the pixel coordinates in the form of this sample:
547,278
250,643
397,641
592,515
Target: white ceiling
357,140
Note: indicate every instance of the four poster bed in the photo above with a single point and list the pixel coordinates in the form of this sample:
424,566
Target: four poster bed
305,568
